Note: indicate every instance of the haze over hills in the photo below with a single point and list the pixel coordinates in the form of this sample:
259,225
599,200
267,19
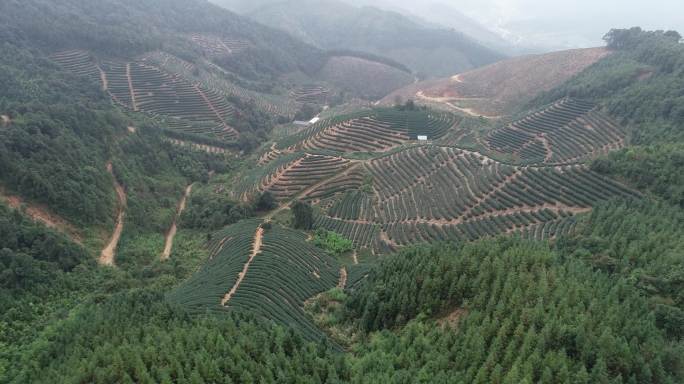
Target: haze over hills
335,25
189,196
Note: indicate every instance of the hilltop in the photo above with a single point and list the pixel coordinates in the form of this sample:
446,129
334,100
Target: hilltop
501,87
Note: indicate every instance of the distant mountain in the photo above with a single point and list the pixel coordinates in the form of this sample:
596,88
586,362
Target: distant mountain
331,24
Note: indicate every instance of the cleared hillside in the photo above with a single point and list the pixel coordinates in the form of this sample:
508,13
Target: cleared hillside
501,87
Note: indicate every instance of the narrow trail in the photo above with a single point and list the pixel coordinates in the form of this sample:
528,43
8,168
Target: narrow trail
256,249
547,147
168,245
448,101
355,257
200,147
42,214
107,255
103,79
343,278
134,105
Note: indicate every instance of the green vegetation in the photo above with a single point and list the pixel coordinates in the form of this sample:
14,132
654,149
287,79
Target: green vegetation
431,52
637,84
137,337
643,243
303,215
513,312
568,131
654,168
284,272
331,242
596,297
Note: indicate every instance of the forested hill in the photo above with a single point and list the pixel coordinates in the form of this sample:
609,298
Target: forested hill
333,25
126,28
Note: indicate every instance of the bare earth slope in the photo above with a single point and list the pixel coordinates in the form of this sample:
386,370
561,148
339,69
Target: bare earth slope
497,88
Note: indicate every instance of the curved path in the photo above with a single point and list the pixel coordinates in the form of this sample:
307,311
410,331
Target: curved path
342,283
107,255
168,244
42,214
256,249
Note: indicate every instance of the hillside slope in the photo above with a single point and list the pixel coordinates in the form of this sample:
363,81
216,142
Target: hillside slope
501,87
332,24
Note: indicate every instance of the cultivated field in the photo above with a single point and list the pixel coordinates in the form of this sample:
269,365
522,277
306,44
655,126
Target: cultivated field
565,132
267,271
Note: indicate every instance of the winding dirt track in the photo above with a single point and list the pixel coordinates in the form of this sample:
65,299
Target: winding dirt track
108,253
134,105
343,278
103,79
168,245
256,249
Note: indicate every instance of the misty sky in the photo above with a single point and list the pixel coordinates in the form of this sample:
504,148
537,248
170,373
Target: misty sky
568,23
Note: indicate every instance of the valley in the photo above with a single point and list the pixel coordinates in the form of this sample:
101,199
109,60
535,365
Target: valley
333,194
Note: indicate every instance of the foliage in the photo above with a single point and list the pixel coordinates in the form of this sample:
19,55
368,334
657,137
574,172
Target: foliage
265,202
434,52
303,215
32,256
284,273
307,112
639,84
125,28
643,242
526,316
54,114
211,211
656,168
138,337
333,243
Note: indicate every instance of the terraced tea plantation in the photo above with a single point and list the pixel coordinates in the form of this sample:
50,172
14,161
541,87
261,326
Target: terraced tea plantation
212,77
79,62
430,193
219,46
403,191
269,272
372,131
565,132
292,175
140,86
312,94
